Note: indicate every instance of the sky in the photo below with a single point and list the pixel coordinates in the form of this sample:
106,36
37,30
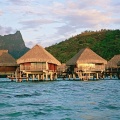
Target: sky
47,22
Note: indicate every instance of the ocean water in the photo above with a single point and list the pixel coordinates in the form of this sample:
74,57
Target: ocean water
60,100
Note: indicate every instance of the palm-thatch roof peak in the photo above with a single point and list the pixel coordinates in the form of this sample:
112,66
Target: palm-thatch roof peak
114,61
6,59
38,54
86,55
3,51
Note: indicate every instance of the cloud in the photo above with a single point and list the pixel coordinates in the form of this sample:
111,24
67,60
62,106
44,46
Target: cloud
84,14
65,30
18,2
30,44
36,23
117,21
28,8
62,18
1,12
47,40
66,13
79,15
6,30
79,18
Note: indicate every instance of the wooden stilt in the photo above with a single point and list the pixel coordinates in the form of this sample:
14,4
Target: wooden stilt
80,75
12,78
97,76
110,75
20,79
43,77
33,77
46,76
38,76
27,77
88,75
51,77
55,76
74,76
69,76
16,75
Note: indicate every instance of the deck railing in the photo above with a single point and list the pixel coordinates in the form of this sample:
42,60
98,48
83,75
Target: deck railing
29,68
32,68
89,69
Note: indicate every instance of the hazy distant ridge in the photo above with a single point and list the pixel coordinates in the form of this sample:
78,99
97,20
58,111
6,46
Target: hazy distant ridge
14,44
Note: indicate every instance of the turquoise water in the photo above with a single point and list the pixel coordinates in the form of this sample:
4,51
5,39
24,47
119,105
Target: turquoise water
60,100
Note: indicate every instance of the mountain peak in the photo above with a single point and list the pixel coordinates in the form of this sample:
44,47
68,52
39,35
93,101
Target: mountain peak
14,43
18,32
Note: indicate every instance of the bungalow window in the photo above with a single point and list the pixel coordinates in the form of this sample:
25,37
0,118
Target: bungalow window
38,66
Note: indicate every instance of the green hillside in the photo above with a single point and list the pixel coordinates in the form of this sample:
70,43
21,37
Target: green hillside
105,43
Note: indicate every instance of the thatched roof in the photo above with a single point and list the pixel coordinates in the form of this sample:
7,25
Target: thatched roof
113,62
6,59
38,54
62,66
3,51
86,55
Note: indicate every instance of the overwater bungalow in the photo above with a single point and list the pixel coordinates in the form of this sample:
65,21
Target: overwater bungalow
113,66
8,64
38,64
62,70
87,64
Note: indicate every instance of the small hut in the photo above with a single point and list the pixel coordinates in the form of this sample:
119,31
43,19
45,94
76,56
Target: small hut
62,70
86,62
8,64
38,63
113,66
